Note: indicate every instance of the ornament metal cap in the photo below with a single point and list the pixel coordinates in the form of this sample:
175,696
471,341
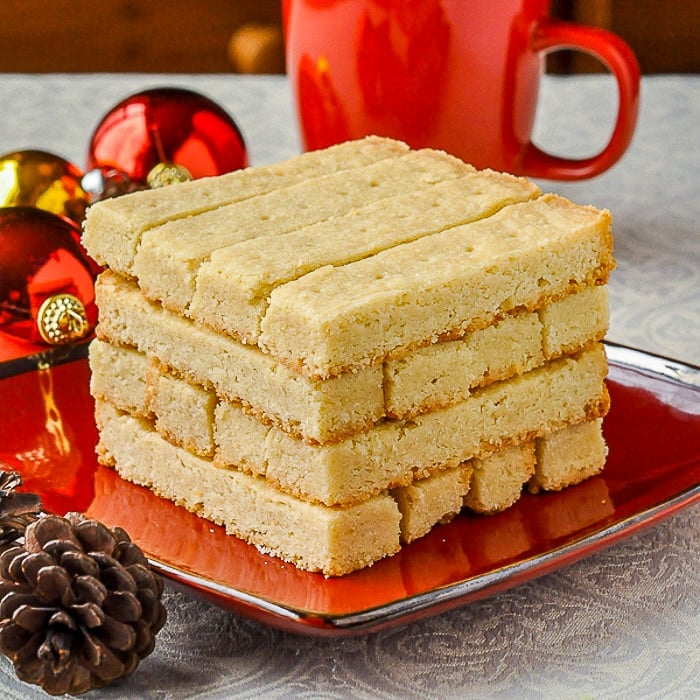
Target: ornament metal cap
164,174
62,319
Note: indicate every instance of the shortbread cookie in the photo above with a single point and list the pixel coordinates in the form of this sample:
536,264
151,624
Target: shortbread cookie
184,412
234,284
332,540
497,482
435,499
569,456
169,256
113,229
443,373
564,391
337,319
119,374
574,320
318,411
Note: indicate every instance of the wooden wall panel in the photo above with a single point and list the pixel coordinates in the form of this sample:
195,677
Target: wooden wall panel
664,34
194,35
175,36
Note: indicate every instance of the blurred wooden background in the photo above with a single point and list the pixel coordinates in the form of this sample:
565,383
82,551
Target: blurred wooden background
131,36
210,36
665,34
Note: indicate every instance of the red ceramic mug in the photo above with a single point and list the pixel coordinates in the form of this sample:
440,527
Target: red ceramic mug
459,75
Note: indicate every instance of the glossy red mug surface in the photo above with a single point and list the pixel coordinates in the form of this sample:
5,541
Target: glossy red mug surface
459,75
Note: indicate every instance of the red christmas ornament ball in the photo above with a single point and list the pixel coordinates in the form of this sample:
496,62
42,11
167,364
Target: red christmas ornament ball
167,126
41,258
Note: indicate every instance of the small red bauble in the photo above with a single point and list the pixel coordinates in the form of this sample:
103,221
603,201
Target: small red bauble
168,134
46,279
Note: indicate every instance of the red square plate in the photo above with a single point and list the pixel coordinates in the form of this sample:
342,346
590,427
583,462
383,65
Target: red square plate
48,434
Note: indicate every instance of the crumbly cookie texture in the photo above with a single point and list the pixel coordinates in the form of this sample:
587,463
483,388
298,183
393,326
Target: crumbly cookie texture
326,411
112,231
555,394
332,540
168,258
332,355
336,319
233,286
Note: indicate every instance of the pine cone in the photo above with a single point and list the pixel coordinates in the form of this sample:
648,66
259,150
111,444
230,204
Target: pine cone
79,604
17,510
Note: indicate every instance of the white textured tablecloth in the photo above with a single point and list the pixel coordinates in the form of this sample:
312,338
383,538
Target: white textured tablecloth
624,623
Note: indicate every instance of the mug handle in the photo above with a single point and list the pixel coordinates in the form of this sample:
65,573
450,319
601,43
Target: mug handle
615,53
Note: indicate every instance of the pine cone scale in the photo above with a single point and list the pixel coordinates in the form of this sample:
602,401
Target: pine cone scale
89,589
46,530
14,638
150,606
12,601
32,564
116,635
144,579
32,617
117,578
54,585
32,668
123,606
55,650
59,548
130,555
145,641
14,569
94,537
109,666
79,564
82,680
7,557
17,510
61,618
91,651
88,615
61,679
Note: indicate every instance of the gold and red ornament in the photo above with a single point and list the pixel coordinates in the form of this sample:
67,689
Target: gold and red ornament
46,278
152,138
34,178
79,604
165,135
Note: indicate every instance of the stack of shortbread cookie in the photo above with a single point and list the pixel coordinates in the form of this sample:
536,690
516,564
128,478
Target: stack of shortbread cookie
330,355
